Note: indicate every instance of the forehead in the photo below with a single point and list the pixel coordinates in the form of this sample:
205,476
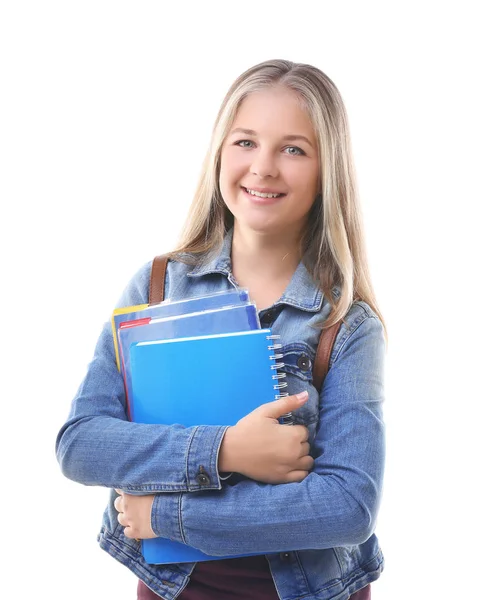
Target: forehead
274,110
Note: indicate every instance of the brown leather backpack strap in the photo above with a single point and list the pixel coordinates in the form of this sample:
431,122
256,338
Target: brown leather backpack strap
157,279
322,356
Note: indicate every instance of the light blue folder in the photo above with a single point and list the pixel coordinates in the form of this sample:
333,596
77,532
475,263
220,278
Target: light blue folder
204,380
172,308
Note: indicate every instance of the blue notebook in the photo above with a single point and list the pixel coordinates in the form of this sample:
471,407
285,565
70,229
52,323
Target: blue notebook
204,380
243,317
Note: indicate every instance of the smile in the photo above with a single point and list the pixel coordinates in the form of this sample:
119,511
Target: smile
262,194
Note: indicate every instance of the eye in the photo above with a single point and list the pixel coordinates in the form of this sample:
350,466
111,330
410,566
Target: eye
295,151
244,143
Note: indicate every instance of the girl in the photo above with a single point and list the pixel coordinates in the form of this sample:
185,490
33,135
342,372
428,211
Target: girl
275,212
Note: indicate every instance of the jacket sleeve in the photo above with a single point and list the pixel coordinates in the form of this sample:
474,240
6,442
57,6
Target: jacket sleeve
337,503
99,446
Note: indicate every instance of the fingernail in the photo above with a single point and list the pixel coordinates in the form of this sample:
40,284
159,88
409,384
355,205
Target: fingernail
302,396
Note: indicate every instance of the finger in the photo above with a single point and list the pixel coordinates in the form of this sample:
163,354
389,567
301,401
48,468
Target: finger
280,407
120,492
305,463
296,476
302,432
305,449
121,519
118,503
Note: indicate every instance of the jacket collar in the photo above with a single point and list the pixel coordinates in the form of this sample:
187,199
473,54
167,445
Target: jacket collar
302,291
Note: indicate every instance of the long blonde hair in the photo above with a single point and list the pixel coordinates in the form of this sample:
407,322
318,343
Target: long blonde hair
333,245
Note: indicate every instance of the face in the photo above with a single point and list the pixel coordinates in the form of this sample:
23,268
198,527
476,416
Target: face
271,150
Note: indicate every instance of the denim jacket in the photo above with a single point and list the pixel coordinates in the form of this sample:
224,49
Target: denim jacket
317,534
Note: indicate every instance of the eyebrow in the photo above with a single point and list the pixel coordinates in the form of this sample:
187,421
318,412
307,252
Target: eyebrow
289,138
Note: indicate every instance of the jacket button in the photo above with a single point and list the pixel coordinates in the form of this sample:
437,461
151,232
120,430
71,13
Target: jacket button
203,478
303,362
285,556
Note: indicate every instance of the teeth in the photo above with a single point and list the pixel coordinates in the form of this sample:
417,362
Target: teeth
261,194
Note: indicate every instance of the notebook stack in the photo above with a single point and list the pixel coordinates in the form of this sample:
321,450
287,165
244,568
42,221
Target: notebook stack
200,361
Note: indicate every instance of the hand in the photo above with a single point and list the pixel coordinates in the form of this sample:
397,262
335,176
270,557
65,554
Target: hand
259,447
135,514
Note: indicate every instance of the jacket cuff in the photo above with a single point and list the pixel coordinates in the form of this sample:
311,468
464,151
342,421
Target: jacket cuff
202,457
165,517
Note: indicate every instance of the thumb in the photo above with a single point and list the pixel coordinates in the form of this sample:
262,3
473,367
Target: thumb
277,408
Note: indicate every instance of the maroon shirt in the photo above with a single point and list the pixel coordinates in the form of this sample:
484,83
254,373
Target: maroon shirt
239,578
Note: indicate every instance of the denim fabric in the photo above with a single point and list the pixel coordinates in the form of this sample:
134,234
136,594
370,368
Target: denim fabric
318,535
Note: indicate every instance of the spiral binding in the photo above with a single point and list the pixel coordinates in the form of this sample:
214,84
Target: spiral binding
287,418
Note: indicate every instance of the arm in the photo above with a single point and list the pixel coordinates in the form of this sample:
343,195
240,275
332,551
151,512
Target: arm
337,503
99,446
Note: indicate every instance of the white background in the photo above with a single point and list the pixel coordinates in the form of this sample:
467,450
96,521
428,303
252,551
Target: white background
106,112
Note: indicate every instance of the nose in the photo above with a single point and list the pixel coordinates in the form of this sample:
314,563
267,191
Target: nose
264,164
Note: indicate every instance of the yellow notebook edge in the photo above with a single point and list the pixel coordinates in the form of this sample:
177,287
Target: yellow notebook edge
122,311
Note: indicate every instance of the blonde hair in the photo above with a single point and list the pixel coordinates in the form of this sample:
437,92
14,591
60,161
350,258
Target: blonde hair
333,245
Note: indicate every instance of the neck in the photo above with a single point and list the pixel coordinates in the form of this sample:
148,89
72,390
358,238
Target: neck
264,255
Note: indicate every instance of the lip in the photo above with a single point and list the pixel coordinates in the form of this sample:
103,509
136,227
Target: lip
261,190
262,201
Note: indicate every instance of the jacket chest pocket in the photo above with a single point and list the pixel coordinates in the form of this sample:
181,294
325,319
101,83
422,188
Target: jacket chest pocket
298,366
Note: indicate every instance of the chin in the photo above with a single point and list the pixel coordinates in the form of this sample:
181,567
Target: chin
259,227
